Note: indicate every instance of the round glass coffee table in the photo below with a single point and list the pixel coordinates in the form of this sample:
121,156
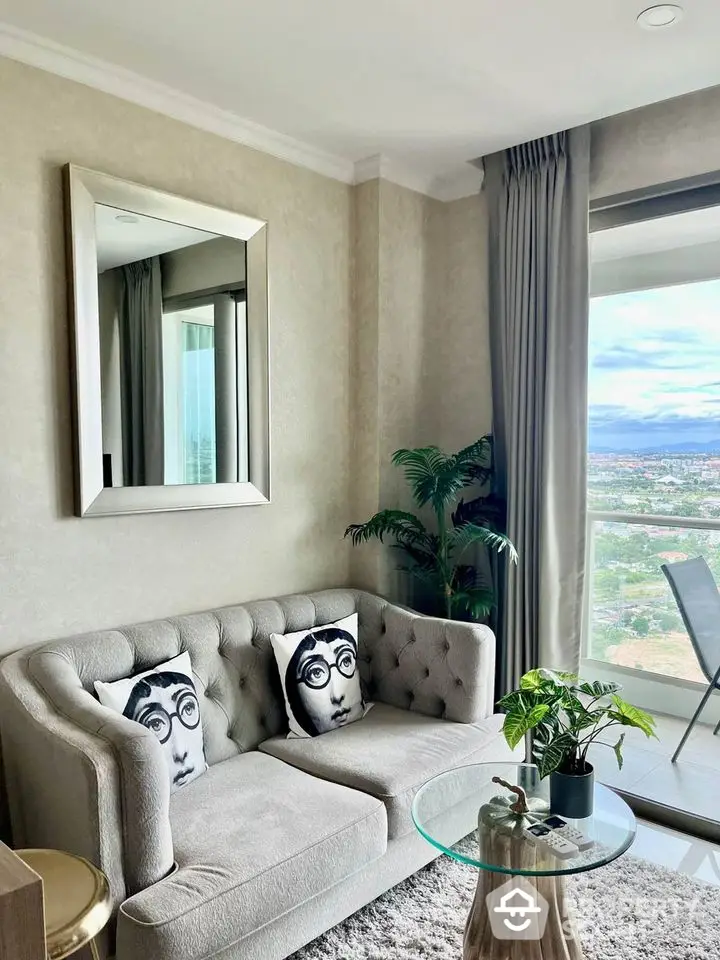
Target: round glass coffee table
519,908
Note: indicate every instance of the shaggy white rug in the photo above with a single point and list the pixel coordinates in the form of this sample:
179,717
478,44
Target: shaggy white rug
628,910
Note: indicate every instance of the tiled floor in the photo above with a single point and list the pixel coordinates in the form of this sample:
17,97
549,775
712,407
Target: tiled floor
678,851
691,785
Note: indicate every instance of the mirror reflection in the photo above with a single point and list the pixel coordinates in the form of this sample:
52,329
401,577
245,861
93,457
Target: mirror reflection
173,352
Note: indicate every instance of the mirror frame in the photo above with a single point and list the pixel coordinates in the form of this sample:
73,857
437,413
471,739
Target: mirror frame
83,189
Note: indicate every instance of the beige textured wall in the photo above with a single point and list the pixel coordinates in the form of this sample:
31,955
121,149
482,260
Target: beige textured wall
365,422
389,303
456,401
404,363
60,574
664,141
421,346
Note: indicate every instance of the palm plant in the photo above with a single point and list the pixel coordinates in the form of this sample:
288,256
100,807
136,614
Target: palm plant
437,558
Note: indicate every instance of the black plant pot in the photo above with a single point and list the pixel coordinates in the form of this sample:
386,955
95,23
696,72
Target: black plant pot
571,794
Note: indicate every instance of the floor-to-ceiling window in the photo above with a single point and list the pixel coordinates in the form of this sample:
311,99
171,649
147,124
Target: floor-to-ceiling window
654,442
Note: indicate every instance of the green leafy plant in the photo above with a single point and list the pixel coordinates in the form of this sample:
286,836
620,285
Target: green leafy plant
438,558
566,716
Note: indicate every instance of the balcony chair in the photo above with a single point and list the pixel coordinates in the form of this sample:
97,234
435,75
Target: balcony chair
698,600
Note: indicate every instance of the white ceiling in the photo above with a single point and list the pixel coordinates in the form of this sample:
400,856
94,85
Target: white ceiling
119,243
430,86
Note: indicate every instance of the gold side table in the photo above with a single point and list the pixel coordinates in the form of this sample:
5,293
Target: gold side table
77,900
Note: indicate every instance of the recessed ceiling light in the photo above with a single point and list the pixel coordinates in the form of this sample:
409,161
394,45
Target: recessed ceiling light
660,15
126,218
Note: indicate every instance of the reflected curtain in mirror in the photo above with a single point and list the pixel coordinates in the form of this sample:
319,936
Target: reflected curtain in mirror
141,367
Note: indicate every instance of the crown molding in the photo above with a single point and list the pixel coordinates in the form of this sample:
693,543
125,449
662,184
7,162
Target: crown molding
36,51
369,168
47,55
464,182
383,167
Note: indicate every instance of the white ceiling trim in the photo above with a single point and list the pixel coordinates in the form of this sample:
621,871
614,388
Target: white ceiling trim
381,167
29,48
467,182
38,52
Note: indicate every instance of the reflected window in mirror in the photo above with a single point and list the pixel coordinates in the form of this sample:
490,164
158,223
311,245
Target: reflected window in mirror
173,352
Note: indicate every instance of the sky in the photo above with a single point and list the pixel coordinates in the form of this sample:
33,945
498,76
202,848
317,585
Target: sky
655,367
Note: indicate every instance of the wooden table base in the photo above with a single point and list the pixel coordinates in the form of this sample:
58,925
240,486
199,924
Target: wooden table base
559,940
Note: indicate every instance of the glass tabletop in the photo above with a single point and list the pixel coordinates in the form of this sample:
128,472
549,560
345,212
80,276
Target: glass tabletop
464,814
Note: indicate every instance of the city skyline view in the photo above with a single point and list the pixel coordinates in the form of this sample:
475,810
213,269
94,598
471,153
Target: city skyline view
654,450
654,382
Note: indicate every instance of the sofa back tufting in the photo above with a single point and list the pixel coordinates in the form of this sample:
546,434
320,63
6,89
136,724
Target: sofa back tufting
233,665
86,779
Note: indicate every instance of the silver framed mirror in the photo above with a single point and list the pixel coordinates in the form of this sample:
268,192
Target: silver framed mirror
169,310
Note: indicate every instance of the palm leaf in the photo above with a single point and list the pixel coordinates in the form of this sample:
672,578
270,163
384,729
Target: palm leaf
429,577
477,601
465,577
426,471
487,511
461,538
477,456
436,477
405,527
422,557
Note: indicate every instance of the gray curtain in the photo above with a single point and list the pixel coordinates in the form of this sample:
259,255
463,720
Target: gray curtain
141,360
538,206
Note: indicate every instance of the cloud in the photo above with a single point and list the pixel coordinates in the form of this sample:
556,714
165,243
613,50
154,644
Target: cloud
610,413
679,335
637,433
653,377
622,417
710,386
629,358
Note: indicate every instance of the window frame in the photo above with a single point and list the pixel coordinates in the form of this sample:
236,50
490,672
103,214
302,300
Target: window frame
174,313
676,696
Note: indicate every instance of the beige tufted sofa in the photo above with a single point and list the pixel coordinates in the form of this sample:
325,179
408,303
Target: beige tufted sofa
280,839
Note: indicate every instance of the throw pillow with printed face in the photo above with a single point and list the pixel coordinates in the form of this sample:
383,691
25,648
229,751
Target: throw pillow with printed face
164,701
320,677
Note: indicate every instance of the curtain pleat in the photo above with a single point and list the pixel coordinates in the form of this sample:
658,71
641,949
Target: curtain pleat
140,322
538,203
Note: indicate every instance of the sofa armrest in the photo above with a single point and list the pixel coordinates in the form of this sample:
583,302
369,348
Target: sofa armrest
80,776
442,668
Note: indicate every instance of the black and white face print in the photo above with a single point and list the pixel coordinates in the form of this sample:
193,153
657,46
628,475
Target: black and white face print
167,705
319,671
165,702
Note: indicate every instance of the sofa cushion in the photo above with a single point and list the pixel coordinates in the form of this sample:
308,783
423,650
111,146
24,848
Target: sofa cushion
392,753
320,677
164,700
253,838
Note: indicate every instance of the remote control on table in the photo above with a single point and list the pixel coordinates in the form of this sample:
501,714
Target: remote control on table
548,839
571,833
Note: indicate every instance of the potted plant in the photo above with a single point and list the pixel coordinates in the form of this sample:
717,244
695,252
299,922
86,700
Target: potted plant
437,558
565,716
